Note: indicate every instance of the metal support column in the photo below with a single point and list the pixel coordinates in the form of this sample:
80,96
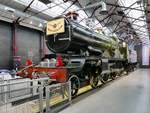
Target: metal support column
48,99
41,99
14,38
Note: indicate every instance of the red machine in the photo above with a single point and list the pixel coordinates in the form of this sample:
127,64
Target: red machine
56,71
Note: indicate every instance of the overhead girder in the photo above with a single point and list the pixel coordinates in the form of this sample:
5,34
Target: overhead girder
125,7
18,19
112,11
123,16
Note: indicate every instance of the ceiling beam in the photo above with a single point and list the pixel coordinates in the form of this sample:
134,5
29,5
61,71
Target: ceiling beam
69,6
123,16
28,6
134,24
112,12
39,12
116,5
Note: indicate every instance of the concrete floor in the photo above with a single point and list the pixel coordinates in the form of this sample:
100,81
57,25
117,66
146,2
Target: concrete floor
130,94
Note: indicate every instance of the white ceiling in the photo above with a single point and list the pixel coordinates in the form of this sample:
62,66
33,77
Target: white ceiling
116,21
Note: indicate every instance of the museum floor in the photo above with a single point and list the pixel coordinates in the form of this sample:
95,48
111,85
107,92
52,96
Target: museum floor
129,94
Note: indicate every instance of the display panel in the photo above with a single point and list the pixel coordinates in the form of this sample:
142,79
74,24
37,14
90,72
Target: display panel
55,26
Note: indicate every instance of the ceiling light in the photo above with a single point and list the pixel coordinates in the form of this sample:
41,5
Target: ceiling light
97,4
9,9
104,8
120,13
139,2
65,0
40,25
31,22
16,0
131,36
13,15
46,1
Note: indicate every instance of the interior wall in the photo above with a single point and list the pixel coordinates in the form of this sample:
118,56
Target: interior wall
28,42
5,45
138,48
27,39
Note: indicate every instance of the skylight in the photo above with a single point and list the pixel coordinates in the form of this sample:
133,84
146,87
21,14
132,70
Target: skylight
139,15
58,7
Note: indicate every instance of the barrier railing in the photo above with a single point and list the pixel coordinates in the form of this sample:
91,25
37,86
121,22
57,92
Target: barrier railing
28,96
55,94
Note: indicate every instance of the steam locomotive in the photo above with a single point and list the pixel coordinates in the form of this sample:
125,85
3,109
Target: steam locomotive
90,55
80,55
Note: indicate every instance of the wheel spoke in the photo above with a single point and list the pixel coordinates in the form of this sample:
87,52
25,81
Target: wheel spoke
94,81
74,85
104,78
